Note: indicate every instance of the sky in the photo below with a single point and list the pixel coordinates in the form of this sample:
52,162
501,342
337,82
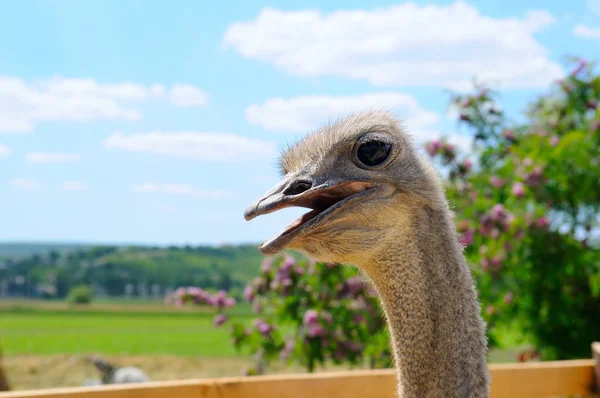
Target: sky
160,122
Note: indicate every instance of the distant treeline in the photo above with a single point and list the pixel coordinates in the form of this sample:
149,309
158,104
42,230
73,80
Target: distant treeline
129,271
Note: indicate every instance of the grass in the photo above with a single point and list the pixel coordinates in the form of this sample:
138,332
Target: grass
112,329
45,344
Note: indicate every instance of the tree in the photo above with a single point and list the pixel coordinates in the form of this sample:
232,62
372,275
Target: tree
81,294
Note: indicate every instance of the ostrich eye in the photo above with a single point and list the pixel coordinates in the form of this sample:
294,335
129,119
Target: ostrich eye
373,153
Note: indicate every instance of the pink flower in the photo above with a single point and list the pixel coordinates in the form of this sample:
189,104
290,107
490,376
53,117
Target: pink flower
509,134
582,64
466,239
263,327
495,233
496,262
220,319
486,225
354,286
498,212
534,178
316,330
355,347
520,234
527,162
288,263
249,293
310,317
266,265
229,302
473,196
554,140
287,350
257,306
433,147
518,189
490,309
543,222
485,264
496,182
219,299
467,164
180,292
508,298
194,291
358,318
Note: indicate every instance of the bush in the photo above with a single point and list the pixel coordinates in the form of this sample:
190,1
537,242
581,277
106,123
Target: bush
308,313
81,294
527,200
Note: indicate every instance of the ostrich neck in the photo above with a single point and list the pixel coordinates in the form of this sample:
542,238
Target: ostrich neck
432,309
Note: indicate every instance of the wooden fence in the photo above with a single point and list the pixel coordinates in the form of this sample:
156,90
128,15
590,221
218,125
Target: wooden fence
527,380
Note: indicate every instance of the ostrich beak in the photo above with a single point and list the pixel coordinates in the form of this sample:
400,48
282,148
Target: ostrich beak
323,198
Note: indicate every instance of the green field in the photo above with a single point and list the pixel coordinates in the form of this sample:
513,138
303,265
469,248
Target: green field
112,333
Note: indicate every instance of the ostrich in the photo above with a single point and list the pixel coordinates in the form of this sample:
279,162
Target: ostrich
112,374
377,204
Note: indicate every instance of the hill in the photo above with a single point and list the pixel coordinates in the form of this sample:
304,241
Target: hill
18,249
126,270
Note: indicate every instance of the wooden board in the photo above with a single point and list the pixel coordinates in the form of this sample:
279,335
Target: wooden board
531,380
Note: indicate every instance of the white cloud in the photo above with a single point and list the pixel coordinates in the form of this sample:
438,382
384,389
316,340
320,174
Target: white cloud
594,6
179,189
4,151
302,114
24,104
403,45
586,32
185,95
214,147
51,157
75,185
25,184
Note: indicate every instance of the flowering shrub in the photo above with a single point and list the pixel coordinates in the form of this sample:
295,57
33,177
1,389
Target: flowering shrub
312,313
306,312
198,296
527,201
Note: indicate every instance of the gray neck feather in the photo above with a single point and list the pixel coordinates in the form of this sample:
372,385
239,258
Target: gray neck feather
432,309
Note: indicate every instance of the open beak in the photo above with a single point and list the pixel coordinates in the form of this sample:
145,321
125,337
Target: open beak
324,199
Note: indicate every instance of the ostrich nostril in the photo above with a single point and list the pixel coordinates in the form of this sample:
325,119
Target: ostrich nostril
298,187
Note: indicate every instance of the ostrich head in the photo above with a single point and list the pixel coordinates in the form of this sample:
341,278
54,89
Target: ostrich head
377,204
360,176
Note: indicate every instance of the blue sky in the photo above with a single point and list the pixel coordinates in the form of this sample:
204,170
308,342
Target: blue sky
159,122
